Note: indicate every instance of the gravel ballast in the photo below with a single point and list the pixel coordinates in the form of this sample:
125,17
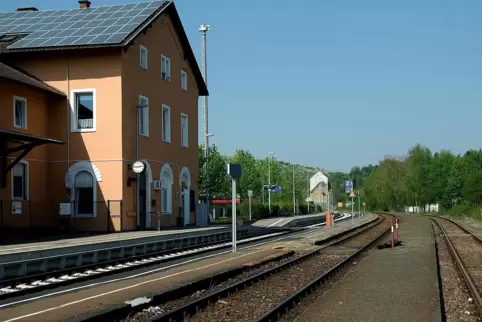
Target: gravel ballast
468,248
160,309
257,299
457,301
252,302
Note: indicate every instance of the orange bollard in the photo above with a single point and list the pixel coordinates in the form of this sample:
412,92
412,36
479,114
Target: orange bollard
328,219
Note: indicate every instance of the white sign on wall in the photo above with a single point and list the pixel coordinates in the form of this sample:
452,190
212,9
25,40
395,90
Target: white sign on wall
65,209
16,208
157,184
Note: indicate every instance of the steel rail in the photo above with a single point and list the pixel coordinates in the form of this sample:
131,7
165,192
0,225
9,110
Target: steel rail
460,264
284,306
41,282
204,248
189,309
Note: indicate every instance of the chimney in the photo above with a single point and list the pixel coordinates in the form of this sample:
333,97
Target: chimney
84,4
27,9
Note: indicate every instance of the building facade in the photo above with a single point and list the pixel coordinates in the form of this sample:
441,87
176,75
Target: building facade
135,99
319,188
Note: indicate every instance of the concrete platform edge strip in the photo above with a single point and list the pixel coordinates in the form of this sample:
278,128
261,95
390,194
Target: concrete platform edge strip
32,266
88,273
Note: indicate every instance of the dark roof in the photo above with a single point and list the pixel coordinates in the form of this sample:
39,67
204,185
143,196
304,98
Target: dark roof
10,73
110,26
23,137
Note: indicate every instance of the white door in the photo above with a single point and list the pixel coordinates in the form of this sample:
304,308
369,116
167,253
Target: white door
186,204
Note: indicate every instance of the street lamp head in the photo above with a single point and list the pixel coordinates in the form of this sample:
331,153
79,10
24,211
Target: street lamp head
270,153
209,135
204,28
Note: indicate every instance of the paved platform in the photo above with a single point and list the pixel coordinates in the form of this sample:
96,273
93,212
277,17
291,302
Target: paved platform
308,240
27,259
386,285
294,221
92,240
87,300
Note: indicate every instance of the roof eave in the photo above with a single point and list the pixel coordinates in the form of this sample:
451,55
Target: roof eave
171,10
46,90
53,48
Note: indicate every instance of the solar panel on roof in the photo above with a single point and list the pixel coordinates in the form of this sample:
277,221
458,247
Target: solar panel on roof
100,25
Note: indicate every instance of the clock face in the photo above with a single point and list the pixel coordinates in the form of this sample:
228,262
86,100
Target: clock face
138,167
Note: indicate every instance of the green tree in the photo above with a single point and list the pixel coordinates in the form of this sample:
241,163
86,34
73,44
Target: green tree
250,174
472,190
219,184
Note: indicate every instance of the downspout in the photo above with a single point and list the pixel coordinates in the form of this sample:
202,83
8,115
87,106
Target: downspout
67,109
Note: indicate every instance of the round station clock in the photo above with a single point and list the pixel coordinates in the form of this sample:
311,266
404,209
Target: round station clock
138,167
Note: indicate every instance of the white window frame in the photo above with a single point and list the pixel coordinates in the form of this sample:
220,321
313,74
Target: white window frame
185,135
27,181
73,109
167,72
168,138
141,50
184,80
24,100
145,113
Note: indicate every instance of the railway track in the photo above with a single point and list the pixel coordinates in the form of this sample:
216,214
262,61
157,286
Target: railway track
13,288
25,285
466,251
266,294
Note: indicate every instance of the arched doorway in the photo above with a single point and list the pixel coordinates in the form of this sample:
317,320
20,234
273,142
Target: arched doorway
145,182
142,220
81,178
185,183
167,179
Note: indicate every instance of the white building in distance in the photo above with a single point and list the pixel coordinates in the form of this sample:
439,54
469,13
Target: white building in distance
318,186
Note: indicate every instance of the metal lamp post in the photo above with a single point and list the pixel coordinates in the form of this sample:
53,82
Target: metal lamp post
204,29
294,198
359,203
139,108
269,180
308,197
206,183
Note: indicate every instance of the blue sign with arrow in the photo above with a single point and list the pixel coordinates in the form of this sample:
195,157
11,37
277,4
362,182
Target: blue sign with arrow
348,186
272,188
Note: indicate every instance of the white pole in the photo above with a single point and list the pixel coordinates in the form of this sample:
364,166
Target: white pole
249,206
351,209
294,201
203,29
308,191
234,213
358,203
330,198
269,184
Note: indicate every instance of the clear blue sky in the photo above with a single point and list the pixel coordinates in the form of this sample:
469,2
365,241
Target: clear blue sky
336,83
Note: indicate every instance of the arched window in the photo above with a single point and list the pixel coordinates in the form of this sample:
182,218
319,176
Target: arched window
84,194
167,180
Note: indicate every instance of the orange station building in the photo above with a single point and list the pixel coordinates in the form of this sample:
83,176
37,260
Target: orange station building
71,83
